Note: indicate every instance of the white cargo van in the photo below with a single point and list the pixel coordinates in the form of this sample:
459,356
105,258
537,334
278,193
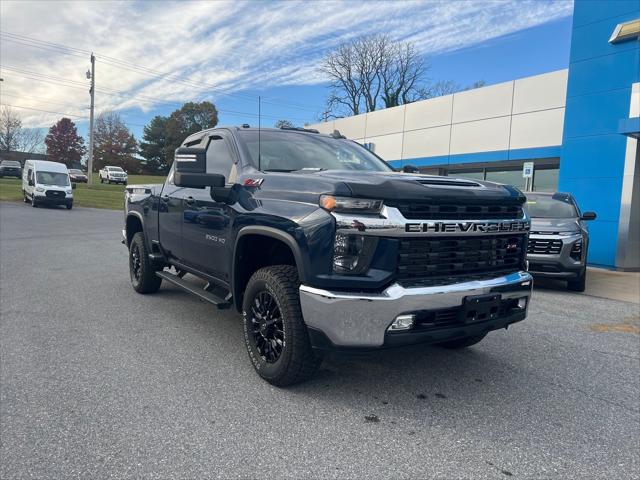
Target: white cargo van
47,183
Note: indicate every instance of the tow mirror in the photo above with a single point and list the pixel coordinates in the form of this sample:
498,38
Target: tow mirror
198,180
589,216
31,184
190,160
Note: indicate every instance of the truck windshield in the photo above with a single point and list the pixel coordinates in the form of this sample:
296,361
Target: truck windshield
115,169
292,151
551,206
53,178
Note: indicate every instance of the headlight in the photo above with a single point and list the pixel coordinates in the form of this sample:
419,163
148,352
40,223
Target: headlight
568,233
349,204
352,253
39,189
69,191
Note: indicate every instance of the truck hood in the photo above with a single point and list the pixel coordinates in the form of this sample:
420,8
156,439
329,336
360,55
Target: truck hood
555,225
392,187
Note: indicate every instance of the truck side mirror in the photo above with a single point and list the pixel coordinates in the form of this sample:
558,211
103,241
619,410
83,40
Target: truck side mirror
30,183
190,160
588,216
198,180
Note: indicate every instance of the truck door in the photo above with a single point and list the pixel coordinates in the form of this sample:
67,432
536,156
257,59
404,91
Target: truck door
207,223
170,218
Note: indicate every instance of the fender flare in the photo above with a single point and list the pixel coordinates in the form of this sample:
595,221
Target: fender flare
271,232
137,215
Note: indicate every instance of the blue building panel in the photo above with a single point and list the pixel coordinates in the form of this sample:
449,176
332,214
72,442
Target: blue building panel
603,154
598,98
596,114
592,40
609,72
598,10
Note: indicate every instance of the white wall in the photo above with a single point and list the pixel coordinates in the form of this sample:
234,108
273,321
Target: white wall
524,113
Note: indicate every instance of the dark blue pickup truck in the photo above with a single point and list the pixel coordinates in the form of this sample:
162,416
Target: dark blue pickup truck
322,246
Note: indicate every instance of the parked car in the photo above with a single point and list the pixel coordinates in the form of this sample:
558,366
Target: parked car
321,245
113,175
78,176
10,168
47,183
559,238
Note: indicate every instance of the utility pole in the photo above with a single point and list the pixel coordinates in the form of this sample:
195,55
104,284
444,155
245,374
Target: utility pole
92,75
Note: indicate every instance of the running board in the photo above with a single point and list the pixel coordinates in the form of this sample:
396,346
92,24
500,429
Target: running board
197,291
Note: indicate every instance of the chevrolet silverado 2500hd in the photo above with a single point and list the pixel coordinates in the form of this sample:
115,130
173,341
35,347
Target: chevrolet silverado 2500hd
321,245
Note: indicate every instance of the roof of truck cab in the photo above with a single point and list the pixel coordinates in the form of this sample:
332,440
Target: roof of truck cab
48,166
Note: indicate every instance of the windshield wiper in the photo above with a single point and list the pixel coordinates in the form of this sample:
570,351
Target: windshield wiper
285,170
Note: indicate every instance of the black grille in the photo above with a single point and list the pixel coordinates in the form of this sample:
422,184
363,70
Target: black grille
55,194
439,261
544,247
429,211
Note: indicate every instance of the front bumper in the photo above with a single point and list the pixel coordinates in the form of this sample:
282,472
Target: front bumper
348,320
558,265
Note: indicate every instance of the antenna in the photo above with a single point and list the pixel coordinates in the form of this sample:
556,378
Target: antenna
259,122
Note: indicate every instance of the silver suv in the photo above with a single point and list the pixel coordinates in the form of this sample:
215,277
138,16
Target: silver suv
559,238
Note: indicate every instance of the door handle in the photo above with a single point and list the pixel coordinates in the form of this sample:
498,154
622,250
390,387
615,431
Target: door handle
190,200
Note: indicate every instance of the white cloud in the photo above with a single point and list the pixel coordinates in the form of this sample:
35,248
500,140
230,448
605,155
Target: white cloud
234,45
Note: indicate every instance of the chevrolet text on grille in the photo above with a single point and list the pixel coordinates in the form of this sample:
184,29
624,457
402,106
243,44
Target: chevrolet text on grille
464,227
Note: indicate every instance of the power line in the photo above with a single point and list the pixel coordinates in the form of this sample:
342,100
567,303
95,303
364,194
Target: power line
40,110
127,65
118,93
41,99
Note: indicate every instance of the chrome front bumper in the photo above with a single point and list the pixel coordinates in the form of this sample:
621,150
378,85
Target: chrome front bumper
361,320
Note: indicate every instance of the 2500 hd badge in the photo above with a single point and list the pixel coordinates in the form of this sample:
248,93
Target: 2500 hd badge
327,247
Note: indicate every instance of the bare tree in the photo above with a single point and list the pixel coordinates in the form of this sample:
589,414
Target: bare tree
15,138
283,124
438,89
341,68
402,74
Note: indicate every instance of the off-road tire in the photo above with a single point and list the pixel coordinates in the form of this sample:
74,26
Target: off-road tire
579,284
462,342
297,361
146,280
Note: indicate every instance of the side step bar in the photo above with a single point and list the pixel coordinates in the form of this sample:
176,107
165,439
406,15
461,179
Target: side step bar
198,292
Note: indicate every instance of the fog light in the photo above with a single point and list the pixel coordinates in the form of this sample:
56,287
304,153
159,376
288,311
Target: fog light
402,322
522,303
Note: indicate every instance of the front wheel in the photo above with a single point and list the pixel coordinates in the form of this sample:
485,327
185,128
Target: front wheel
34,204
462,342
69,206
142,273
579,284
274,331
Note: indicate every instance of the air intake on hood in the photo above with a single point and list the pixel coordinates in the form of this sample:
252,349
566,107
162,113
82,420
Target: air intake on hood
448,183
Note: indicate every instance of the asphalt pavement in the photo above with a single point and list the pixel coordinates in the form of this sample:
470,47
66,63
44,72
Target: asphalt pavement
98,381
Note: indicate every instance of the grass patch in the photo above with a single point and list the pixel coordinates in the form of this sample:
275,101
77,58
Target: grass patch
96,196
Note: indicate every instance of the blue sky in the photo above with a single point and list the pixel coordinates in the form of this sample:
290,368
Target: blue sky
249,48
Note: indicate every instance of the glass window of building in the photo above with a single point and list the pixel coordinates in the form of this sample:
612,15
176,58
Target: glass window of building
545,180
510,177
471,175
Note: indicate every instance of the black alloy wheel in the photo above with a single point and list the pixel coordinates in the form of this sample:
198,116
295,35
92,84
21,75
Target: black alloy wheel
267,327
136,268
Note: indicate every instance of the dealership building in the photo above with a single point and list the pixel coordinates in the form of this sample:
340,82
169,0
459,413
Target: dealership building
578,126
